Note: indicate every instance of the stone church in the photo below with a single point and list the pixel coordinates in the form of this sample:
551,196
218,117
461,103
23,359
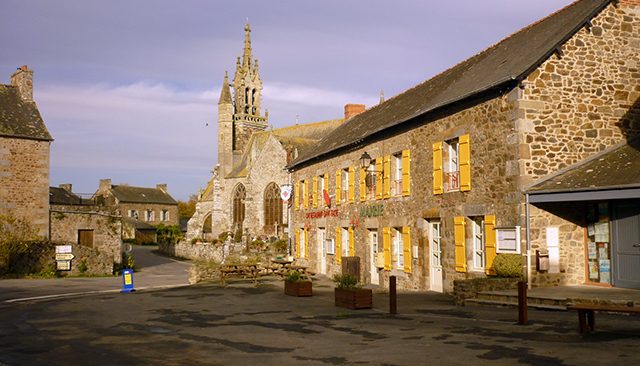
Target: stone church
243,194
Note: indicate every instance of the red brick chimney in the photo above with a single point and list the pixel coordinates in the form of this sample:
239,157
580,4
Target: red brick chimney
23,80
630,2
351,110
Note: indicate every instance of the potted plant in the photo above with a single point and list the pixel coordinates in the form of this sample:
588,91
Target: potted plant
297,285
349,294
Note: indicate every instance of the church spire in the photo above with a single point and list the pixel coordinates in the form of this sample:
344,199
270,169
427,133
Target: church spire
225,93
246,57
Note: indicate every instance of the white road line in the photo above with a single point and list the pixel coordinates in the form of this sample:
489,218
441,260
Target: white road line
70,294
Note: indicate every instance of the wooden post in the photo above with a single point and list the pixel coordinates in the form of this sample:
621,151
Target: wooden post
522,303
393,298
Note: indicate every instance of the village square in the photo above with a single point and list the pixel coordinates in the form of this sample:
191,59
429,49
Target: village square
490,213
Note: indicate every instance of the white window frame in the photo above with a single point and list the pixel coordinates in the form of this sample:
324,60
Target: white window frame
303,193
397,179
371,191
164,215
478,238
452,165
320,192
302,243
149,215
133,214
330,246
397,247
508,240
344,196
344,233
435,242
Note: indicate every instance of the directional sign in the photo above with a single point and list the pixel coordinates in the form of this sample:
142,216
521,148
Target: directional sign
64,256
63,265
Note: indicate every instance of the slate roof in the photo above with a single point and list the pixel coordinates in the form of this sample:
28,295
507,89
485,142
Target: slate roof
615,168
18,118
60,196
138,224
490,73
131,194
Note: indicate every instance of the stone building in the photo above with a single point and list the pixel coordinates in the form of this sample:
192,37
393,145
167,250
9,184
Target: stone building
433,184
142,208
24,154
243,194
82,223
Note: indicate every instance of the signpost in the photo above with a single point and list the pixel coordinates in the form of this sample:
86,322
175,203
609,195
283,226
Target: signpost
127,281
63,257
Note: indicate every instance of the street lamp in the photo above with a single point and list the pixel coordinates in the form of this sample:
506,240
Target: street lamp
365,160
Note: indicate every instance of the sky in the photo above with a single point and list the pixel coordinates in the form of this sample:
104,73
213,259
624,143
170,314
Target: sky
129,89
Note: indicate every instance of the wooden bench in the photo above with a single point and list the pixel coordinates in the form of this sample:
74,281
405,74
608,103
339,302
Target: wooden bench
242,270
586,313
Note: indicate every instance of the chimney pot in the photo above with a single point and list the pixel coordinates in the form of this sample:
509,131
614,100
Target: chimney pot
351,110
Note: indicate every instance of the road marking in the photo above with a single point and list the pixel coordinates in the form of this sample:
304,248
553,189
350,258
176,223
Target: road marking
70,294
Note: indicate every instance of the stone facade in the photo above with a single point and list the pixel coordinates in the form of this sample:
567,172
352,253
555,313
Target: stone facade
24,154
581,100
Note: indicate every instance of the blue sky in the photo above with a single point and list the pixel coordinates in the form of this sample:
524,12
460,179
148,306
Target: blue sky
129,89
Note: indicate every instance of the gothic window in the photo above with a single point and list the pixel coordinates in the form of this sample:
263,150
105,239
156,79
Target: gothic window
239,196
272,207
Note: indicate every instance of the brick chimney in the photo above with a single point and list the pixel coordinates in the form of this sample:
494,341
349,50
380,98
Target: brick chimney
105,185
630,3
162,187
351,110
23,80
67,187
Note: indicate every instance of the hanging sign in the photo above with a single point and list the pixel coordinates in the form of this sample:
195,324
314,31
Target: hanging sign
285,192
327,198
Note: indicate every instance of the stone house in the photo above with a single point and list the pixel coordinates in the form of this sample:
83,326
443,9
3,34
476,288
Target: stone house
243,194
495,155
142,208
82,223
24,154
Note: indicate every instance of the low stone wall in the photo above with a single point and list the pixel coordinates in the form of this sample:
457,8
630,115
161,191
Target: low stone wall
200,251
469,289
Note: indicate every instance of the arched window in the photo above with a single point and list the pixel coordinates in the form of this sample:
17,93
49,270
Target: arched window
272,208
239,196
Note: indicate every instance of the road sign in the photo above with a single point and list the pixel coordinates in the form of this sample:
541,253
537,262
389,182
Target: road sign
64,256
285,192
127,281
63,248
63,265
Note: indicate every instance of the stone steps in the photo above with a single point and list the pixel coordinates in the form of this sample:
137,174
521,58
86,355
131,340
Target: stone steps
498,298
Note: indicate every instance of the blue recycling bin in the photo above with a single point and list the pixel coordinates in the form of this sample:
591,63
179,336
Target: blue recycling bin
127,281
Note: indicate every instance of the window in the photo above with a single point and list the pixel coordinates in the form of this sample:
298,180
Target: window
344,185
133,214
477,224
345,241
397,247
320,192
164,214
452,165
238,206
396,180
330,245
434,240
371,182
85,238
149,215
302,253
303,195
272,208
451,153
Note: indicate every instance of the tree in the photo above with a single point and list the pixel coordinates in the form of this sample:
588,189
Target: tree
187,209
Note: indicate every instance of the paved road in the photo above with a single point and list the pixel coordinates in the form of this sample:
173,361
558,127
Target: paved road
155,271
244,324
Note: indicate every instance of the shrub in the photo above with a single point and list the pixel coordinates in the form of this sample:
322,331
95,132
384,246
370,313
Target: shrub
257,244
280,246
294,276
194,240
82,267
170,234
508,265
346,281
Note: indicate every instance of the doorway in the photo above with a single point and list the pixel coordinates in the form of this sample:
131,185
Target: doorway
435,256
373,239
626,244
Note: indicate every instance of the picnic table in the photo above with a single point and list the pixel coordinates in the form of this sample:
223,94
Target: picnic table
244,270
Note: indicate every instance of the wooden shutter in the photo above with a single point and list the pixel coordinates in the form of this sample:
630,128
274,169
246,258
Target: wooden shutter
406,172
459,238
490,242
297,243
465,163
386,246
306,243
306,194
438,179
386,177
85,238
296,196
363,185
352,185
326,188
406,248
379,175
338,252
352,245
338,186
314,193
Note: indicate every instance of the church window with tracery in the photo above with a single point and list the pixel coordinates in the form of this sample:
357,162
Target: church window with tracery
239,197
272,207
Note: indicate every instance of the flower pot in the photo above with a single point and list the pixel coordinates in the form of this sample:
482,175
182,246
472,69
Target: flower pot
298,288
353,298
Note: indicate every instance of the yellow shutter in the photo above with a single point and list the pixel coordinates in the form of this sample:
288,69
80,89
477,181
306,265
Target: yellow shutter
326,188
406,172
363,185
306,243
306,194
296,196
297,243
314,193
386,246
378,178
386,177
352,245
438,181
490,242
465,163
338,252
352,184
406,243
338,186
459,238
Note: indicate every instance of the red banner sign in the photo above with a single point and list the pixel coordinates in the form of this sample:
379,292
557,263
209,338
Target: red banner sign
321,214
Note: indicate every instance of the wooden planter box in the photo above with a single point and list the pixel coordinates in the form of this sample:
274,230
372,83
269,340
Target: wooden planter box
299,288
359,298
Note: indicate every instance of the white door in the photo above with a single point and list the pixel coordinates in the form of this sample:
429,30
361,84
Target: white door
435,253
322,251
373,239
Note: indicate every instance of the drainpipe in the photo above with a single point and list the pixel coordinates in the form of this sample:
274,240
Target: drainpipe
528,234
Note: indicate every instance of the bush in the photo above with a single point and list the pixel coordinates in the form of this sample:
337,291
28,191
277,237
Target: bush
294,276
222,237
346,281
508,265
257,244
280,246
82,267
170,234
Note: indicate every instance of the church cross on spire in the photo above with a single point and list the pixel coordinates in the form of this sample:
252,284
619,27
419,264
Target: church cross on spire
246,57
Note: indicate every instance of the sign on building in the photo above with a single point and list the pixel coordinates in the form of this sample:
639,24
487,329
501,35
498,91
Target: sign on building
508,240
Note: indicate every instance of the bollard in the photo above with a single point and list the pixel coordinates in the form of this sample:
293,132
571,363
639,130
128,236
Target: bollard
393,297
127,281
522,303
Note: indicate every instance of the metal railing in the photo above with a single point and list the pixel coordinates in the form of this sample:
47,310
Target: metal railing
452,181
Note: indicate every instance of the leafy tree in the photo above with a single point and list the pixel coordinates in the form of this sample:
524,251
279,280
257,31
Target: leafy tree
187,209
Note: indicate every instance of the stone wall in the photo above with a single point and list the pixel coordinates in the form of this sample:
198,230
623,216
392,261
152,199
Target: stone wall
200,251
107,228
124,208
24,181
